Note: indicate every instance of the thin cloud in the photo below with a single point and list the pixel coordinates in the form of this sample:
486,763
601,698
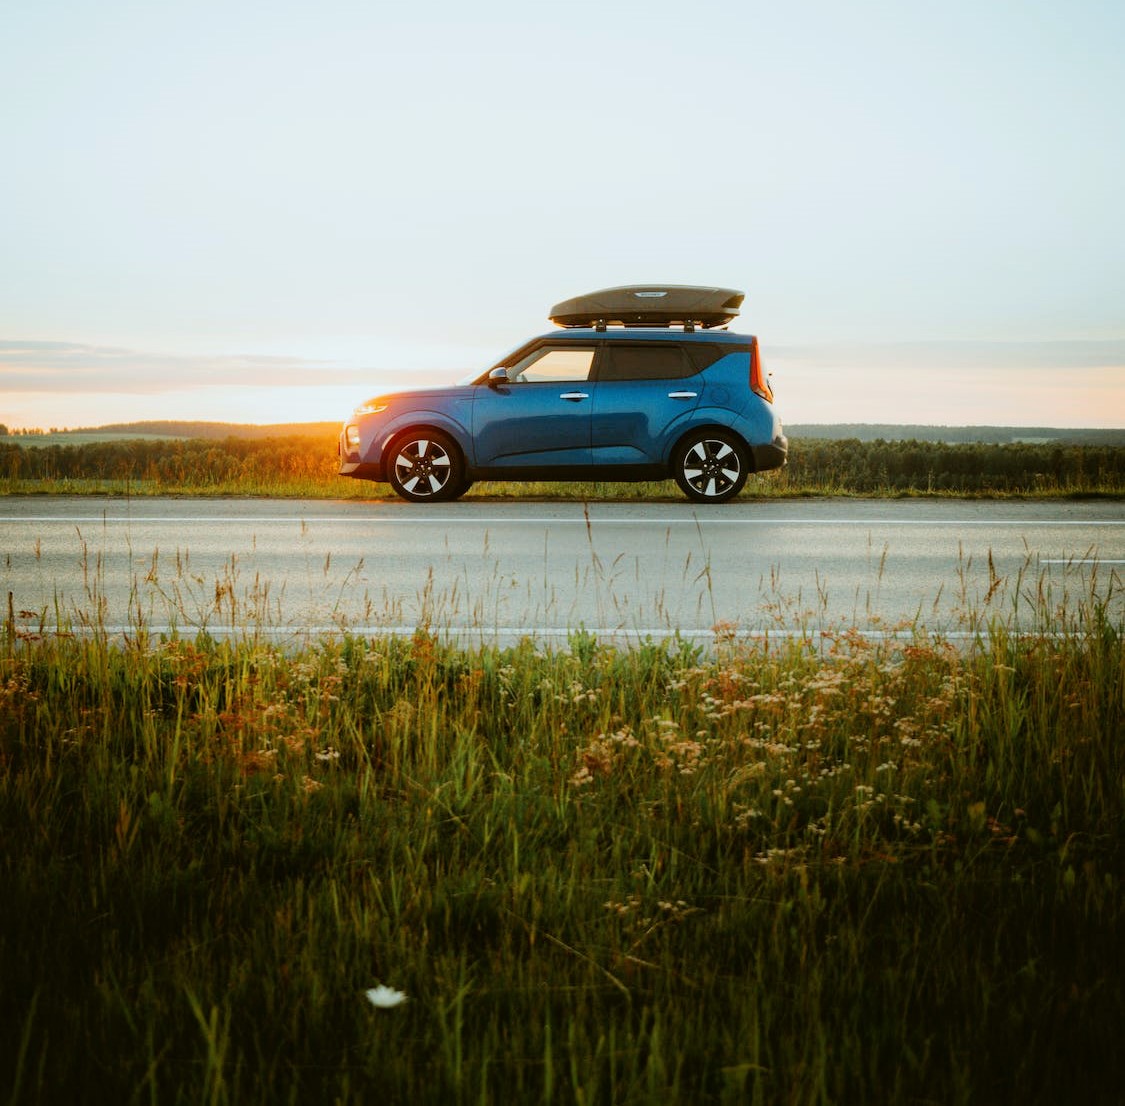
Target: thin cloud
957,354
71,367
1016,383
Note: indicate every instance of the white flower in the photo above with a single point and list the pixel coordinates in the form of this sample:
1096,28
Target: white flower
385,997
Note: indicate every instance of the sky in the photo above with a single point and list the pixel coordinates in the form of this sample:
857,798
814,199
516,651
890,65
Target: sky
266,212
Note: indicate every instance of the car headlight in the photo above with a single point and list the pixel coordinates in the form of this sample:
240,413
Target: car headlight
371,407
351,436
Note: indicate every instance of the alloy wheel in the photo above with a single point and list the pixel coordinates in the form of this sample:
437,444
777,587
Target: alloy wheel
711,469
422,468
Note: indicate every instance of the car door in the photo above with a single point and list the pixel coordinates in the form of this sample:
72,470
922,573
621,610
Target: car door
642,389
540,416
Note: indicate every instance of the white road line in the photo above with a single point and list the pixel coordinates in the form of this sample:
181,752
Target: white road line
265,520
1082,561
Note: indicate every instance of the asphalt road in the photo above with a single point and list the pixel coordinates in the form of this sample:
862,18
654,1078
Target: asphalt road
499,570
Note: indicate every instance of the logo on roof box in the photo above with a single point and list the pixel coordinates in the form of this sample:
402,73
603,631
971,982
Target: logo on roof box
649,295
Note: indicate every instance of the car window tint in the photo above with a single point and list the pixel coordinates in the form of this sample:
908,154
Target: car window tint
704,354
553,364
643,362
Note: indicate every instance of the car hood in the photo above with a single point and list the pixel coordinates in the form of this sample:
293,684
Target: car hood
435,391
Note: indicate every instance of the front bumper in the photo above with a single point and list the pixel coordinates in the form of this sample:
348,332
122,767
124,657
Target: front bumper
361,470
351,465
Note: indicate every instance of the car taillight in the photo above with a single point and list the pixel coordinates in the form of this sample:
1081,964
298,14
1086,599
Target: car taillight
759,385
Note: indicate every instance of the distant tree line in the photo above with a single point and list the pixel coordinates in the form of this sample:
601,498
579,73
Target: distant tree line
192,462
178,429
911,465
847,465
992,435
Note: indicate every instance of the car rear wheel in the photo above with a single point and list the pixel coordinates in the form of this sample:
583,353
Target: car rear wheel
710,466
424,466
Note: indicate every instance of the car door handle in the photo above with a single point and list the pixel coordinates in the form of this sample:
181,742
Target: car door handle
574,397
682,395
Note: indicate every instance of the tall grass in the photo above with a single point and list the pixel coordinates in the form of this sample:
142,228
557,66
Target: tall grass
757,873
307,467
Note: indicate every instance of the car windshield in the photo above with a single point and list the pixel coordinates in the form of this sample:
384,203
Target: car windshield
477,374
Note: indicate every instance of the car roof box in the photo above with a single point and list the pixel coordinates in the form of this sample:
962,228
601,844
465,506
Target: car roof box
650,305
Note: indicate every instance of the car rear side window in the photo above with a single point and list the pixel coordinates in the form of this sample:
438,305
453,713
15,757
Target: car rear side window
705,354
643,361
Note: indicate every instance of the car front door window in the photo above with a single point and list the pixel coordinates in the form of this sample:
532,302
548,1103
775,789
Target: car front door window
552,365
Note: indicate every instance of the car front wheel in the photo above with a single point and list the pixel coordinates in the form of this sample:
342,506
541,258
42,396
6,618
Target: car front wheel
424,466
710,466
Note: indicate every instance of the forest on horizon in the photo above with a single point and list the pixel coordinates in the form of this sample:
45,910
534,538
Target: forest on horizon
862,432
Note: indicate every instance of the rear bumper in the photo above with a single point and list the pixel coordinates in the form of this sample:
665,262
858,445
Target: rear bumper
771,456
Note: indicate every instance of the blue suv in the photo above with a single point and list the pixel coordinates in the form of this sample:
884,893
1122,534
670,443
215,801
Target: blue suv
641,383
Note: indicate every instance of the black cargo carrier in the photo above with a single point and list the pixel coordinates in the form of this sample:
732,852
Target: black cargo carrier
650,305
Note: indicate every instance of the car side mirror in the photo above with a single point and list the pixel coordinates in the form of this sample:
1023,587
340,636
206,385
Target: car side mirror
498,376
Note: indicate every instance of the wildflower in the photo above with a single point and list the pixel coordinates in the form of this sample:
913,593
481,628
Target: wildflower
725,630
623,908
772,856
385,997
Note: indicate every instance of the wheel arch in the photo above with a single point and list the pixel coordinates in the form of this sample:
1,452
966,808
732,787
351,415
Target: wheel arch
711,428
425,426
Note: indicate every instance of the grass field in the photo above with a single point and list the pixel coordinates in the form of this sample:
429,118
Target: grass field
307,467
764,486
763,874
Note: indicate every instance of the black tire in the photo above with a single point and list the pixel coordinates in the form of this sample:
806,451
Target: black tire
425,466
711,466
